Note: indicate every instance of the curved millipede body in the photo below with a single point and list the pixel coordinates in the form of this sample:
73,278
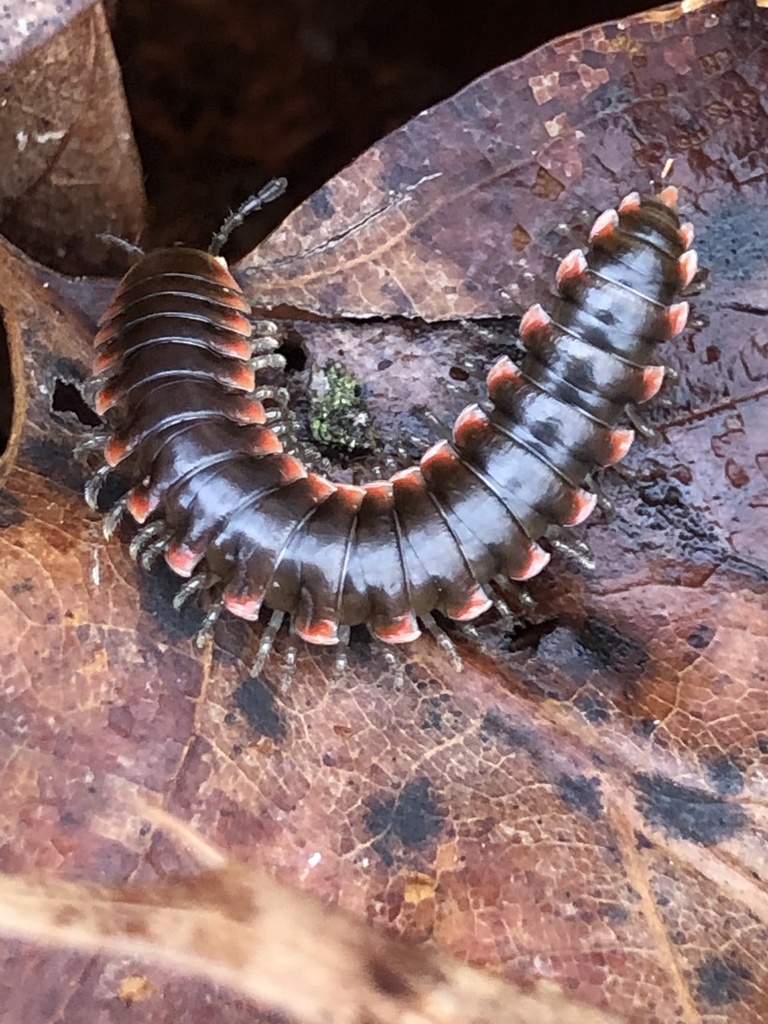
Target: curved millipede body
177,361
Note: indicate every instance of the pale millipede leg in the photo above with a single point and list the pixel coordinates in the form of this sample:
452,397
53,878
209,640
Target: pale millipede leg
665,402
209,622
590,484
264,345
266,330
269,361
443,641
575,549
93,385
276,394
342,651
289,663
470,631
114,517
638,423
94,485
501,605
152,552
522,594
624,472
266,642
122,243
95,442
145,536
395,666
200,581
442,430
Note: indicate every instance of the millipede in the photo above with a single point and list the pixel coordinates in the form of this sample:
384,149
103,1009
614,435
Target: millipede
177,365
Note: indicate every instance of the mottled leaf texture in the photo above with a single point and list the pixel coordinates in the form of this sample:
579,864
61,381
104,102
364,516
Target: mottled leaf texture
70,168
583,804
240,928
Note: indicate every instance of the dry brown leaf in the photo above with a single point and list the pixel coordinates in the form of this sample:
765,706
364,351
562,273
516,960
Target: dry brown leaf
240,929
584,802
461,212
70,168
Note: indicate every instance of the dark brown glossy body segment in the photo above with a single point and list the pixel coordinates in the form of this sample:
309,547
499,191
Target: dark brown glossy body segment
173,351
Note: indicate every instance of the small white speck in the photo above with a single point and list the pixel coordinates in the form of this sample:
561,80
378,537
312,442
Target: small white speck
88,778
43,389
21,140
95,568
49,136
315,859
365,862
22,25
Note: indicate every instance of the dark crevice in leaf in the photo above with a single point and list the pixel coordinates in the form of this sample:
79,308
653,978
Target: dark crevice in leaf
67,398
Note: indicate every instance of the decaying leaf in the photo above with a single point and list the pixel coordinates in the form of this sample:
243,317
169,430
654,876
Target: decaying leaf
70,169
242,930
582,803
461,212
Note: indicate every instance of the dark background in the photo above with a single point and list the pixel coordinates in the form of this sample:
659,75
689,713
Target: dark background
227,93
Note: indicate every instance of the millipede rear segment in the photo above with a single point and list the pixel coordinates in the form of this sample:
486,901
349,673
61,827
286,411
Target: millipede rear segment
231,511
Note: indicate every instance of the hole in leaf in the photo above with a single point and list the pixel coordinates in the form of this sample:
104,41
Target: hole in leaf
295,356
67,398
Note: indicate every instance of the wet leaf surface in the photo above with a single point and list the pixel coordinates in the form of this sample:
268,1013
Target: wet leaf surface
585,801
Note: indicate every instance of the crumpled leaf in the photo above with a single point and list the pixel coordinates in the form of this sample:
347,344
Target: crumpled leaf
583,801
70,168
